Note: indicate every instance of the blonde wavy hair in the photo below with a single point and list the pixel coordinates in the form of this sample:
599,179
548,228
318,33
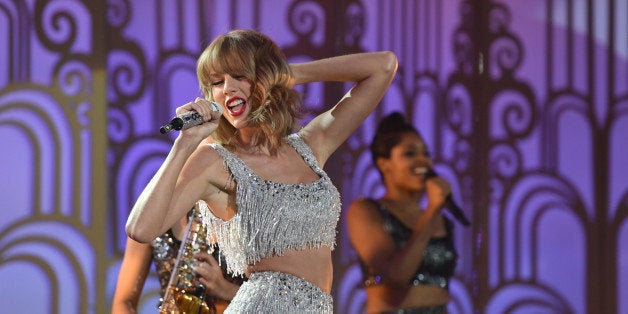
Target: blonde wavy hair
275,105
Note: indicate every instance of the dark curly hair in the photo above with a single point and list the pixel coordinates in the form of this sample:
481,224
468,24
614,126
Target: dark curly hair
388,135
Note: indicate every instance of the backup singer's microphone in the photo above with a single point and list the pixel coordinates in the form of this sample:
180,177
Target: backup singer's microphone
451,205
187,120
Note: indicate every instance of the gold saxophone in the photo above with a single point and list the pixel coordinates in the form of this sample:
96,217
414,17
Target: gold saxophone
185,294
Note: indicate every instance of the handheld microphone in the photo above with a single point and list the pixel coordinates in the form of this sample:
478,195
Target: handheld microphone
450,204
187,120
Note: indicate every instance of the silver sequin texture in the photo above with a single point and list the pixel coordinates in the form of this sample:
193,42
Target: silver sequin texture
275,217
274,292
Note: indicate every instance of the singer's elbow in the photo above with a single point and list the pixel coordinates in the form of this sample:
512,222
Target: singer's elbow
390,63
136,233
138,237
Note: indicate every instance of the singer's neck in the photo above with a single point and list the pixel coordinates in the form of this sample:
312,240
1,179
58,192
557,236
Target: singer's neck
245,135
404,195
247,145
251,149
402,200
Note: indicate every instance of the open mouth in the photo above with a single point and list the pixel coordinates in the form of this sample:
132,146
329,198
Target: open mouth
420,170
236,107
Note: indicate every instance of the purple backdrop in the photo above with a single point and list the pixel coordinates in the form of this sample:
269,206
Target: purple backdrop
524,103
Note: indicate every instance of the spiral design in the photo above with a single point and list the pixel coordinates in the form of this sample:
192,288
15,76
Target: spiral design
127,77
305,18
517,114
505,161
56,23
118,13
74,77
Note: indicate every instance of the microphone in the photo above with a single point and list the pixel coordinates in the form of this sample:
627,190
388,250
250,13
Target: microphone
450,204
187,120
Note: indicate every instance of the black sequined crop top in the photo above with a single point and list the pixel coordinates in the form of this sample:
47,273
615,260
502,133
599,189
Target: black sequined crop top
439,258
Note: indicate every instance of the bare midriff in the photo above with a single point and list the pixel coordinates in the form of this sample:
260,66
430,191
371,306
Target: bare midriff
382,297
313,265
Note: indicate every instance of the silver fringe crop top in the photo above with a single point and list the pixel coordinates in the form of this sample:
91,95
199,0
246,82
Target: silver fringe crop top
274,217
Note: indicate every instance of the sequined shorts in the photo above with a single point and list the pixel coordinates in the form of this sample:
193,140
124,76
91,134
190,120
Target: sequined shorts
275,292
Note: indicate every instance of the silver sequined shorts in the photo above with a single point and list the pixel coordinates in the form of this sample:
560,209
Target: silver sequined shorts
275,292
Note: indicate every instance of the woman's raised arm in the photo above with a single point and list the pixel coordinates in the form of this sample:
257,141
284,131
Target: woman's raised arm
372,72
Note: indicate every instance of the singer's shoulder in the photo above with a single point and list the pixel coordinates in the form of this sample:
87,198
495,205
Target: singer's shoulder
364,214
363,203
207,149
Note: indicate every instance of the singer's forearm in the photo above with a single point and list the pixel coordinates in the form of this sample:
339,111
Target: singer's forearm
133,271
151,214
346,68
